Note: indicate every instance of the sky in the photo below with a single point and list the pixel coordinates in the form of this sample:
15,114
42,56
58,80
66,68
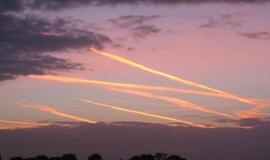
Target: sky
197,64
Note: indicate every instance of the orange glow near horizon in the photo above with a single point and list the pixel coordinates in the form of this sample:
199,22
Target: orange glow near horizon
173,78
51,110
176,101
144,113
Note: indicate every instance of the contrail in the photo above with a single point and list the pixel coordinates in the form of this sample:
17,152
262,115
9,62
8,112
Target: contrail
20,122
254,112
51,110
155,104
126,85
251,114
171,77
179,102
143,113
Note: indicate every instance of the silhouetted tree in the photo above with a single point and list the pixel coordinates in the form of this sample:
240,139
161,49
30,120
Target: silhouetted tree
42,157
16,158
160,156
175,157
30,158
143,157
95,156
55,158
134,158
69,156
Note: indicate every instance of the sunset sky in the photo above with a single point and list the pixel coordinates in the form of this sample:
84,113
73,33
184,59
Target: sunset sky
126,77
223,45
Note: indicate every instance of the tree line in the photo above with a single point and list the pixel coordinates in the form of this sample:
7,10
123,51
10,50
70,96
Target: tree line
96,156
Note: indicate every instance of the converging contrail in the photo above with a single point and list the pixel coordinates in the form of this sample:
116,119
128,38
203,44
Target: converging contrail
168,99
171,77
179,102
126,85
143,113
254,112
51,110
20,122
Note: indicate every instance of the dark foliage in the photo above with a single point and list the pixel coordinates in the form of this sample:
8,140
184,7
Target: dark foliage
96,156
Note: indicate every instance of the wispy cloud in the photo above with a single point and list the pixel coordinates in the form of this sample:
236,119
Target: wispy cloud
260,35
229,20
138,25
132,20
145,30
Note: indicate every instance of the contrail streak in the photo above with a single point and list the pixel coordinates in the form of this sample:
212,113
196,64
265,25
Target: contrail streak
144,113
51,110
254,112
127,85
20,122
171,77
251,114
179,102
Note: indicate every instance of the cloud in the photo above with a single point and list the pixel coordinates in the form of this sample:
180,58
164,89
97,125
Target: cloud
247,122
145,30
55,5
135,138
26,39
11,5
224,21
262,35
254,122
137,24
66,4
132,20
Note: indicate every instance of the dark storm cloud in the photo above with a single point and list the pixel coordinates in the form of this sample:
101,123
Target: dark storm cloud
262,35
123,139
25,39
229,20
